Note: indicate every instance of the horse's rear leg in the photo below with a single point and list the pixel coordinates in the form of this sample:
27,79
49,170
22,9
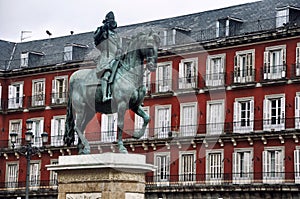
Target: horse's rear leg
140,112
121,114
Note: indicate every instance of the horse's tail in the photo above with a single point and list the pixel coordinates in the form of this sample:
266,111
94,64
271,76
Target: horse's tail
69,136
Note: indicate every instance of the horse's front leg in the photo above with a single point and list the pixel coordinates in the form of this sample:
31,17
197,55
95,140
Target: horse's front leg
121,114
140,112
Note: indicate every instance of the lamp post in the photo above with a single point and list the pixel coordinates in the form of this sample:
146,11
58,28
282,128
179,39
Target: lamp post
28,150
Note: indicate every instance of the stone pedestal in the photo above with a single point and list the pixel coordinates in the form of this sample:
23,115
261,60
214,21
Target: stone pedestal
105,176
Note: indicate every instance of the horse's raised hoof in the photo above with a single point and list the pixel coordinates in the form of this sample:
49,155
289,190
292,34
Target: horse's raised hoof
137,135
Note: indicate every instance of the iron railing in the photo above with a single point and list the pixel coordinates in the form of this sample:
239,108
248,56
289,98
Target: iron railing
33,184
274,72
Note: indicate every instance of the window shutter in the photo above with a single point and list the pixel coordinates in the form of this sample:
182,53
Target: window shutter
236,70
266,64
298,55
278,163
0,97
115,117
181,75
54,132
297,112
11,96
297,165
208,72
266,114
104,127
54,92
265,164
236,116
250,67
62,127
283,58
217,29
159,166
252,115
167,166
282,116
235,169
159,77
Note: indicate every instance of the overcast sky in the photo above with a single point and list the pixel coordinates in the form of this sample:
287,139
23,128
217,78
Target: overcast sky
62,16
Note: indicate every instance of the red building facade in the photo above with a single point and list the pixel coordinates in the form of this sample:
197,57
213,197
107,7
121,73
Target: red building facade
224,104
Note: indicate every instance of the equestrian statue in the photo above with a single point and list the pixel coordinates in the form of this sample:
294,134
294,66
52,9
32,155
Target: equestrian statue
114,86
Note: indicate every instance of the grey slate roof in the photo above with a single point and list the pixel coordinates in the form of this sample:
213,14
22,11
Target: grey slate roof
256,16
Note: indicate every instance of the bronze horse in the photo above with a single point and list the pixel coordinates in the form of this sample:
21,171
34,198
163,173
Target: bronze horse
128,92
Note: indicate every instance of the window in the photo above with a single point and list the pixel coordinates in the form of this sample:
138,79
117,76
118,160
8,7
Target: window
169,37
273,167
162,121
274,62
34,178
222,28
37,130
15,96
244,66
187,170
214,167
53,174
163,75
38,92
297,165
58,130
59,90
68,51
297,63
188,119
242,166
109,124
243,117
282,17
139,121
24,59
274,113
297,111
1,97
162,173
215,117
12,171
15,126
188,73
215,70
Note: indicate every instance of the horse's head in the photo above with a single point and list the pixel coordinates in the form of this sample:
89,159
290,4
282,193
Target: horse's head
149,50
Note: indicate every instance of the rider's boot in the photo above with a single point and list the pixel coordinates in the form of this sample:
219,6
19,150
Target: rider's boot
104,82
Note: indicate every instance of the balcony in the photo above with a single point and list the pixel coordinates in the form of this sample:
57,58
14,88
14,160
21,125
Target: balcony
274,72
59,98
295,71
187,82
36,101
222,179
215,79
243,76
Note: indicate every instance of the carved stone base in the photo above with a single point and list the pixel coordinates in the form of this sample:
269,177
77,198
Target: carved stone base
108,175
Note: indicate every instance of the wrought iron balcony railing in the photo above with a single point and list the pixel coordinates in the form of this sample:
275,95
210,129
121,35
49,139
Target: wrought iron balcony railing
33,184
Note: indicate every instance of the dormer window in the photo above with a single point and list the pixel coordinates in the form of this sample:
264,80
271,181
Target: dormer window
287,15
169,37
228,26
74,52
24,59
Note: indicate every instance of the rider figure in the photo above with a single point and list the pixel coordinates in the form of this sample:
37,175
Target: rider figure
107,41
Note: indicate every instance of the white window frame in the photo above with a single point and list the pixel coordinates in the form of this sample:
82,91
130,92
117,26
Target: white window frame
297,110
188,121
164,84
276,176
159,179
169,39
18,131
109,124
237,116
188,78
163,123
275,70
12,181
147,81
37,131
215,78
214,174
14,101
297,62
187,172
139,121
24,59
236,166
53,174
297,164
38,96
59,92
35,173
215,128
68,53
244,71
58,130
267,123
